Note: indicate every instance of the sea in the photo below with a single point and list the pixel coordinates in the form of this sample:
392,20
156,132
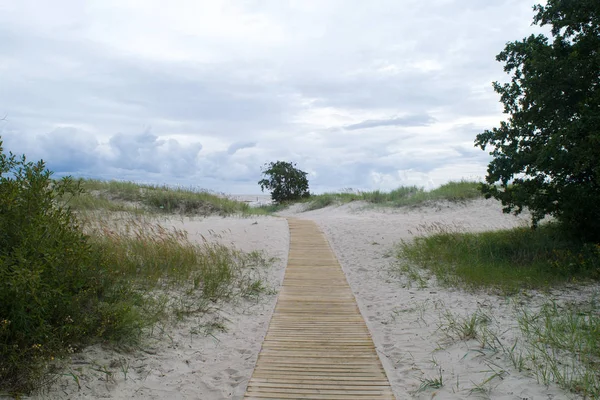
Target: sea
253,200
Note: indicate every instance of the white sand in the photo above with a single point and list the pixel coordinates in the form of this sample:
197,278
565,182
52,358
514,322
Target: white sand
403,321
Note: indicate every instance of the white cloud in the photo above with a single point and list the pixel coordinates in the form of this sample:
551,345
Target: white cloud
362,94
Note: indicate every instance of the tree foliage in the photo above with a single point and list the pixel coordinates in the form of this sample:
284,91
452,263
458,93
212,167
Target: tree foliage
546,155
285,181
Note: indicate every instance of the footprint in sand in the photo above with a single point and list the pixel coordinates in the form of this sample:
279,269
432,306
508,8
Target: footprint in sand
388,346
233,375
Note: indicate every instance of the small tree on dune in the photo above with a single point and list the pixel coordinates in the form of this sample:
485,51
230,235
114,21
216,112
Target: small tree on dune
285,181
546,155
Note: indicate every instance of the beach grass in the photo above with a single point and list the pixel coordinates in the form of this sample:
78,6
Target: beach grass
139,198
508,260
563,345
556,342
403,196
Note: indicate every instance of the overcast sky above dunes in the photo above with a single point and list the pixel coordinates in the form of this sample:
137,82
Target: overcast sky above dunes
360,94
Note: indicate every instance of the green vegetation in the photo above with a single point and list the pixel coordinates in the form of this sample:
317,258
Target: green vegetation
403,196
67,281
563,345
285,181
270,208
508,260
465,328
436,382
138,198
316,202
545,156
556,343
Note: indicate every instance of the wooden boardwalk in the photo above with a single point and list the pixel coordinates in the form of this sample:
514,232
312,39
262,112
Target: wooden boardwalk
317,345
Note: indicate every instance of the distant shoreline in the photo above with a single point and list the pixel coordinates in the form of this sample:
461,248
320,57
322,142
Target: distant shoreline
253,200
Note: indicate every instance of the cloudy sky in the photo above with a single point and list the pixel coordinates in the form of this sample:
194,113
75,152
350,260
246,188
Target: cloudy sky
360,94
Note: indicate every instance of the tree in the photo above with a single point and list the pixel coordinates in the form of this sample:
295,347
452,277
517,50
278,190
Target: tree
546,156
285,181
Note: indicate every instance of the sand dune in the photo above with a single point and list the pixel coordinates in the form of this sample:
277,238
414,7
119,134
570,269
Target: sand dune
187,363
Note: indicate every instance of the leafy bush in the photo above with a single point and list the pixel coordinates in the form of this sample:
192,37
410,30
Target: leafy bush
285,181
50,280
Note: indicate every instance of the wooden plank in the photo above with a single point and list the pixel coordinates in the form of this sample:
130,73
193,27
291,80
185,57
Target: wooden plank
317,345
269,396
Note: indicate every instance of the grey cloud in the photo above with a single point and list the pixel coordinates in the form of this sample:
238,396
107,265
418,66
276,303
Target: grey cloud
135,151
67,151
85,83
470,153
129,156
412,120
147,152
411,93
234,147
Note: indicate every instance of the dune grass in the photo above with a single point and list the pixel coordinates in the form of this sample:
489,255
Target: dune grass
563,345
556,342
323,200
508,260
560,341
139,198
269,209
89,202
402,196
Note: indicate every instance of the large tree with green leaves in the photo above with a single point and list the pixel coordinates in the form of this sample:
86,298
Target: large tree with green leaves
285,181
546,155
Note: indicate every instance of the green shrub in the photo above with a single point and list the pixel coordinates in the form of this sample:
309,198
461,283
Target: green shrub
52,290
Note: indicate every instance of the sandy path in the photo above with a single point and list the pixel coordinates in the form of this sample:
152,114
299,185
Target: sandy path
188,361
